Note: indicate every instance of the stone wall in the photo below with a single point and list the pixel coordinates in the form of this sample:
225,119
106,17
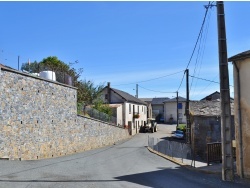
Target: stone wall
206,129
38,119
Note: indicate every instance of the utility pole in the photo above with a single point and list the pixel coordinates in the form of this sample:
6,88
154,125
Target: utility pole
177,112
136,91
226,136
18,61
188,129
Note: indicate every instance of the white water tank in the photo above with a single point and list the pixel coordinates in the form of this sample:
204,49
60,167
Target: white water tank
48,75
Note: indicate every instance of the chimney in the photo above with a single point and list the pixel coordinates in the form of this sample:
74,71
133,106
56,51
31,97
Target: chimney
109,93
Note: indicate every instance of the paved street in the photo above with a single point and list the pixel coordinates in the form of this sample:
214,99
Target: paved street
126,164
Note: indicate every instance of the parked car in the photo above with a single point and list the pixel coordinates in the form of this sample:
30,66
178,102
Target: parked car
150,125
178,134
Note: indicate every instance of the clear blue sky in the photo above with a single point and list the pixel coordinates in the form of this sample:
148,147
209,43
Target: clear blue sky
126,42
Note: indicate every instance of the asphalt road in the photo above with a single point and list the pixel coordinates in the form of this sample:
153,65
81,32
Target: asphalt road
126,164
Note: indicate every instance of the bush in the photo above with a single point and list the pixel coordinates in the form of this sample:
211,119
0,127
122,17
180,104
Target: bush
182,127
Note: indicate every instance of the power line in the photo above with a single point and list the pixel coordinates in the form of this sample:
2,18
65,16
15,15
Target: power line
181,81
204,19
198,38
151,79
200,55
154,90
207,80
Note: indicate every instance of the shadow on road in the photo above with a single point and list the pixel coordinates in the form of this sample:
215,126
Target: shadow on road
178,177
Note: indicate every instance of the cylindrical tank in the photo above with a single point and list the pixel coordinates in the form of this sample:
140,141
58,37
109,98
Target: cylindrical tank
48,75
68,80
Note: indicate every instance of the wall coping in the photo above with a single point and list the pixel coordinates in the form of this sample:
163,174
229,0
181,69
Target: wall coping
2,68
99,121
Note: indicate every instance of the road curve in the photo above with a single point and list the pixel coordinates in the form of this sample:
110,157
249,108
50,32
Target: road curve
125,164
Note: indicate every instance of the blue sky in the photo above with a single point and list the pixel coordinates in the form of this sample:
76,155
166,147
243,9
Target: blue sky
126,42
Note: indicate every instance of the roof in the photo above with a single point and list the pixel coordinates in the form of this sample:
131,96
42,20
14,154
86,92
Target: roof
128,97
214,96
180,99
207,108
240,56
115,105
146,99
159,100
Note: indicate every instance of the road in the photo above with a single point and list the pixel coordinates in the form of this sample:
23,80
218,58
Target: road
125,164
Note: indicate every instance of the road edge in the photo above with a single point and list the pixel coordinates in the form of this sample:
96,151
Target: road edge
182,164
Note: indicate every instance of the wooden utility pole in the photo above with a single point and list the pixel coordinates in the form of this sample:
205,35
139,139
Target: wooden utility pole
136,91
188,128
177,111
226,136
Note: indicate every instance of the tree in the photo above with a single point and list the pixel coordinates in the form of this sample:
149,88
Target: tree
87,92
61,69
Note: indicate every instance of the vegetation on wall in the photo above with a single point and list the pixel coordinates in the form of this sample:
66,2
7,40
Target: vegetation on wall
87,92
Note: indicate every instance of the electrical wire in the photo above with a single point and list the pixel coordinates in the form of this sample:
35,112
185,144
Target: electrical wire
154,90
151,79
198,38
204,19
207,80
200,55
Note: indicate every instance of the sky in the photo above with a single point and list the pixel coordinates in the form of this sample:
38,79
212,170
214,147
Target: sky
127,43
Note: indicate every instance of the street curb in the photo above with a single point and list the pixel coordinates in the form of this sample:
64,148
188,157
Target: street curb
181,164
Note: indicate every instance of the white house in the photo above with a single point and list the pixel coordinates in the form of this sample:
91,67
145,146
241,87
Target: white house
170,110
130,111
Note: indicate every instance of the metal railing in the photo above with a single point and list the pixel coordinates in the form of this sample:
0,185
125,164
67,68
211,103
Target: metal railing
177,150
93,113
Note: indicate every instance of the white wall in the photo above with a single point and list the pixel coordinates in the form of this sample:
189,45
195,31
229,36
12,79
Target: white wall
171,109
136,122
244,68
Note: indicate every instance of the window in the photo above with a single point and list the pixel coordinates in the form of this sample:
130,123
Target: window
130,108
179,105
142,108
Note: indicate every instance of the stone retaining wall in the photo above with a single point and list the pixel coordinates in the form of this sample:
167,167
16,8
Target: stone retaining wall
38,119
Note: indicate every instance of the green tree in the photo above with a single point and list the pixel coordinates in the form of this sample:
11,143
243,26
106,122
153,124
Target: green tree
87,91
101,107
54,64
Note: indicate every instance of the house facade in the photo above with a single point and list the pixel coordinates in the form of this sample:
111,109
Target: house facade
241,71
157,106
170,110
206,125
131,112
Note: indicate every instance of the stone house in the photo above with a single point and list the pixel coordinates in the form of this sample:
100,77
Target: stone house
132,112
214,96
157,105
206,125
241,71
170,110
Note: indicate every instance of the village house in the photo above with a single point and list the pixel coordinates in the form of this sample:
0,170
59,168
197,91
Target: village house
157,105
241,71
131,112
206,124
170,110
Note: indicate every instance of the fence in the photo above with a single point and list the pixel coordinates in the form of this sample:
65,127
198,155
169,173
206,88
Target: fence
93,113
177,150
214,152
